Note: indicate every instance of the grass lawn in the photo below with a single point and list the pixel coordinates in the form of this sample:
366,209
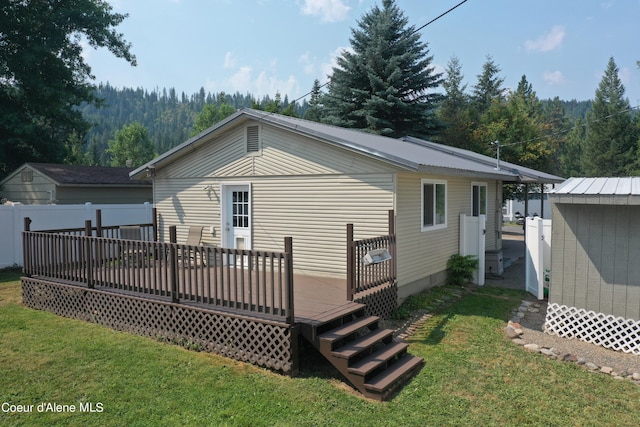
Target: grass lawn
473,376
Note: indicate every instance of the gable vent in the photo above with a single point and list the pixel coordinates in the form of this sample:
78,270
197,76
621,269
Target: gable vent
253,139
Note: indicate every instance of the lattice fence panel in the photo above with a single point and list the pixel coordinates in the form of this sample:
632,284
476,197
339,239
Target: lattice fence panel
248,340
380,301
608,331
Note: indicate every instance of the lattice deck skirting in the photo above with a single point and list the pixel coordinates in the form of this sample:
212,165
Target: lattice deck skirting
597,328
380,301
264,343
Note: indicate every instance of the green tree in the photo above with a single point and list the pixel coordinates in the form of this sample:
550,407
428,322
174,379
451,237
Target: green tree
488,88
385,83
314,112
43,75
131,144
515,123
453,111
571,153
610,144
210,115
554,126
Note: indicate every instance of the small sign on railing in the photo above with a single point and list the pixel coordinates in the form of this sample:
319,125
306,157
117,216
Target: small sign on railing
376,256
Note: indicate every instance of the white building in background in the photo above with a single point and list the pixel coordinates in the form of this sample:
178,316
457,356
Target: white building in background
511,208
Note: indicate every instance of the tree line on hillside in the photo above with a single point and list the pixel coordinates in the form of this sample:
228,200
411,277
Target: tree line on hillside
167,119
385,84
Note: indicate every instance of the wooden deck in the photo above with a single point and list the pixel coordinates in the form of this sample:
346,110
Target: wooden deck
315,295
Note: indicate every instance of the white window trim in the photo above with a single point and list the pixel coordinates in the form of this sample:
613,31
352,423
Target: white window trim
486,201
224,215
423,227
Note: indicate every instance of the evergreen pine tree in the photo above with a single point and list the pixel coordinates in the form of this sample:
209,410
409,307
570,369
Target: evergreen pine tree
488,88
314,112
385,83
571,152
610,143
453,112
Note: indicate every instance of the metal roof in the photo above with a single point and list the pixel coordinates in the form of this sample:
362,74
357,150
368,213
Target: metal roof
602,190
80,175
407,153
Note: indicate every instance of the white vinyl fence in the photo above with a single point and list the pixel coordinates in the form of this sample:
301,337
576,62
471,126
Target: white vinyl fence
47,217
538,262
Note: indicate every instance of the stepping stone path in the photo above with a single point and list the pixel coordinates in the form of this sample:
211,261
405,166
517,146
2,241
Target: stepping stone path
514,331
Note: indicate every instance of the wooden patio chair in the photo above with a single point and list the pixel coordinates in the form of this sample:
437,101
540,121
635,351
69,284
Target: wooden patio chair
194,238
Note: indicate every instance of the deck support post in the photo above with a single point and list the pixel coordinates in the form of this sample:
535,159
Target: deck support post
98,223
154,220
88,255
288,249
173,262
291,318
350,264
26,254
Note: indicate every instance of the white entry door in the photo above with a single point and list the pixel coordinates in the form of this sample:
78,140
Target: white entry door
236,216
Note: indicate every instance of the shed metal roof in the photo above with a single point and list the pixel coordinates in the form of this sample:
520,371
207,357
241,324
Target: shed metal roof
407,153
602,190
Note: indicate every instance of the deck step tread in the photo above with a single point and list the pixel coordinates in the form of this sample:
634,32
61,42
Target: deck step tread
393,373
348,328
359,345
371,362
330,315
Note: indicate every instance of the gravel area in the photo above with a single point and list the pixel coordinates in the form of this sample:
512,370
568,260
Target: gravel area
533,327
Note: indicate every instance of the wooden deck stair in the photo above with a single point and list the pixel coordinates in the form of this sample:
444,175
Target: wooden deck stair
364,353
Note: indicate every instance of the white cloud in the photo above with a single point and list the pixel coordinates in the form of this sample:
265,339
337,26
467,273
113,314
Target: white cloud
553,77
328,10
264,83
547,42
229,60
307,64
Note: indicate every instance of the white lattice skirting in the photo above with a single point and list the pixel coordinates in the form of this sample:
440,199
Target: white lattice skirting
597,328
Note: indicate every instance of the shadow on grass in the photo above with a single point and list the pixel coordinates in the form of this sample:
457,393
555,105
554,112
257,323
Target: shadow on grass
492,302
485,302
10,274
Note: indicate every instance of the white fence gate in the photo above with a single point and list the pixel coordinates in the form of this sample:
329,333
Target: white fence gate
46,217
538,257
472,242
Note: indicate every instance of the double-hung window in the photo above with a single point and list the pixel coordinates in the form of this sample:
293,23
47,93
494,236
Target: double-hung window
434,204
478,199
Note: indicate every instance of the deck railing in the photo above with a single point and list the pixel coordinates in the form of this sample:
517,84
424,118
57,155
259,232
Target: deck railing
363,276
256,282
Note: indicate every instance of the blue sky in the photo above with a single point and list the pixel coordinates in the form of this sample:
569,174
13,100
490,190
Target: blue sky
267,46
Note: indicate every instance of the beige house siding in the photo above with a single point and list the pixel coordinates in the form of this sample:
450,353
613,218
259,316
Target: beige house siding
310,190
423,255
307,208
594,258
281,154
299,187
